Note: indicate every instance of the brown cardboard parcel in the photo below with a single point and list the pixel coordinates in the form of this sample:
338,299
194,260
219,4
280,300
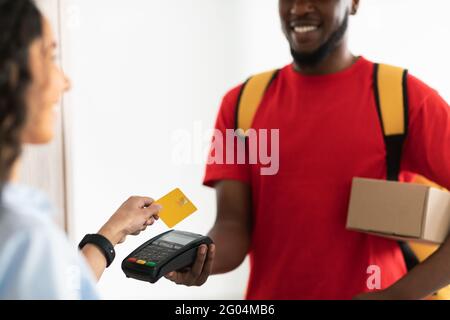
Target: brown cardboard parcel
399,210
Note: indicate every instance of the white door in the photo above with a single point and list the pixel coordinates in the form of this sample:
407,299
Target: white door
43,166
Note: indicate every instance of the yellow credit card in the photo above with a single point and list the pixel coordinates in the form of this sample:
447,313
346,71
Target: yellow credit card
175,207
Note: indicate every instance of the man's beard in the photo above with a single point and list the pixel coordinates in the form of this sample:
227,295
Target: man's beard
316,57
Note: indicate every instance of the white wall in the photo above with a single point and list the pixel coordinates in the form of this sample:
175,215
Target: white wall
409,33
143,69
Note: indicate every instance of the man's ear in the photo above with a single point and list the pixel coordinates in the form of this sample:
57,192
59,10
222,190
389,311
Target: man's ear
355,6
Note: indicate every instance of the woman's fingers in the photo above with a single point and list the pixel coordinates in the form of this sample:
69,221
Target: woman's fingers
141,202
152,211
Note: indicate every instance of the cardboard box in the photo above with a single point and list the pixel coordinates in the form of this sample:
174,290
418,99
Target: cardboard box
398,210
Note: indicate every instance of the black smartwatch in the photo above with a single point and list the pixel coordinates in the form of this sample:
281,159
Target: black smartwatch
102,243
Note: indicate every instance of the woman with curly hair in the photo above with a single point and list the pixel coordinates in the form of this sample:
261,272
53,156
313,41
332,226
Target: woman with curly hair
36,259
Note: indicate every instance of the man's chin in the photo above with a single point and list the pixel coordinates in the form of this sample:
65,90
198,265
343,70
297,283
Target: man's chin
307,57
306,53
305,47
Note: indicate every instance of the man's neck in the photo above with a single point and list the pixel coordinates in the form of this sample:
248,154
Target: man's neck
340,59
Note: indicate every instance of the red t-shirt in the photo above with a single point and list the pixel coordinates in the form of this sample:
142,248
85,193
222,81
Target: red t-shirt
329,133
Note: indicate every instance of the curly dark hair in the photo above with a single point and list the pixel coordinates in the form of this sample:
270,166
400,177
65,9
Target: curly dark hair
20,25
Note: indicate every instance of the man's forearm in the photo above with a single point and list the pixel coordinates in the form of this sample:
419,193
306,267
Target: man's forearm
426,278
232,243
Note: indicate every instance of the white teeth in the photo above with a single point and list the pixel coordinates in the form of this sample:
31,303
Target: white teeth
305,29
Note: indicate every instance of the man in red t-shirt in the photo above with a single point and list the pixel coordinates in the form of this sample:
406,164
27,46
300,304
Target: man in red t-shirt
292,223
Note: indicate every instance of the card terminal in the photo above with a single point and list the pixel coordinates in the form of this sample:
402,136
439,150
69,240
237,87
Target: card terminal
170,251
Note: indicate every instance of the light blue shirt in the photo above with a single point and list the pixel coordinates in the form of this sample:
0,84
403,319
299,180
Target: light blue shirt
36,259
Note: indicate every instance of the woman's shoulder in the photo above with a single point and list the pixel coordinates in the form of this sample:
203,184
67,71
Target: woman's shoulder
26,226
25,211
36,253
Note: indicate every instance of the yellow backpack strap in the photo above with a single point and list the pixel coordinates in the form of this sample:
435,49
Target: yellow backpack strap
390,85
391,97
251,96
422,180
